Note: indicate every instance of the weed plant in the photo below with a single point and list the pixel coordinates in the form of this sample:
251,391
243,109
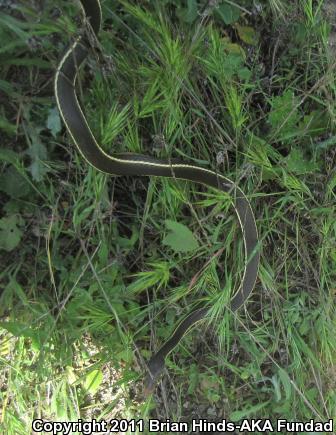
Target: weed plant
97,270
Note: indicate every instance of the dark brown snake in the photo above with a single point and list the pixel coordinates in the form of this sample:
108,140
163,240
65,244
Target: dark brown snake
140,165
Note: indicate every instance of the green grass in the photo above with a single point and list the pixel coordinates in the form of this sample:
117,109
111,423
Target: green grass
91,281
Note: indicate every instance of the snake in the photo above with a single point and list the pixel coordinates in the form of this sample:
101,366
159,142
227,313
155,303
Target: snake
132,164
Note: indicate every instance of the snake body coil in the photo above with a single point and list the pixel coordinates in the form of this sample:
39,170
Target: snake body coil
139,165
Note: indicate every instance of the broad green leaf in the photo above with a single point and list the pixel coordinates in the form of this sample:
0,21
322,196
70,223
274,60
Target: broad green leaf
179,238
228,13
298,164
17,329
314,123
22,330
38,154
6,126
247,34
14,184
9,156
190,13
37,150
244,74
92,381
38,170
125,355
235,49
232,64
268,174
10,234
284,115
286,382
54,121
193,376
